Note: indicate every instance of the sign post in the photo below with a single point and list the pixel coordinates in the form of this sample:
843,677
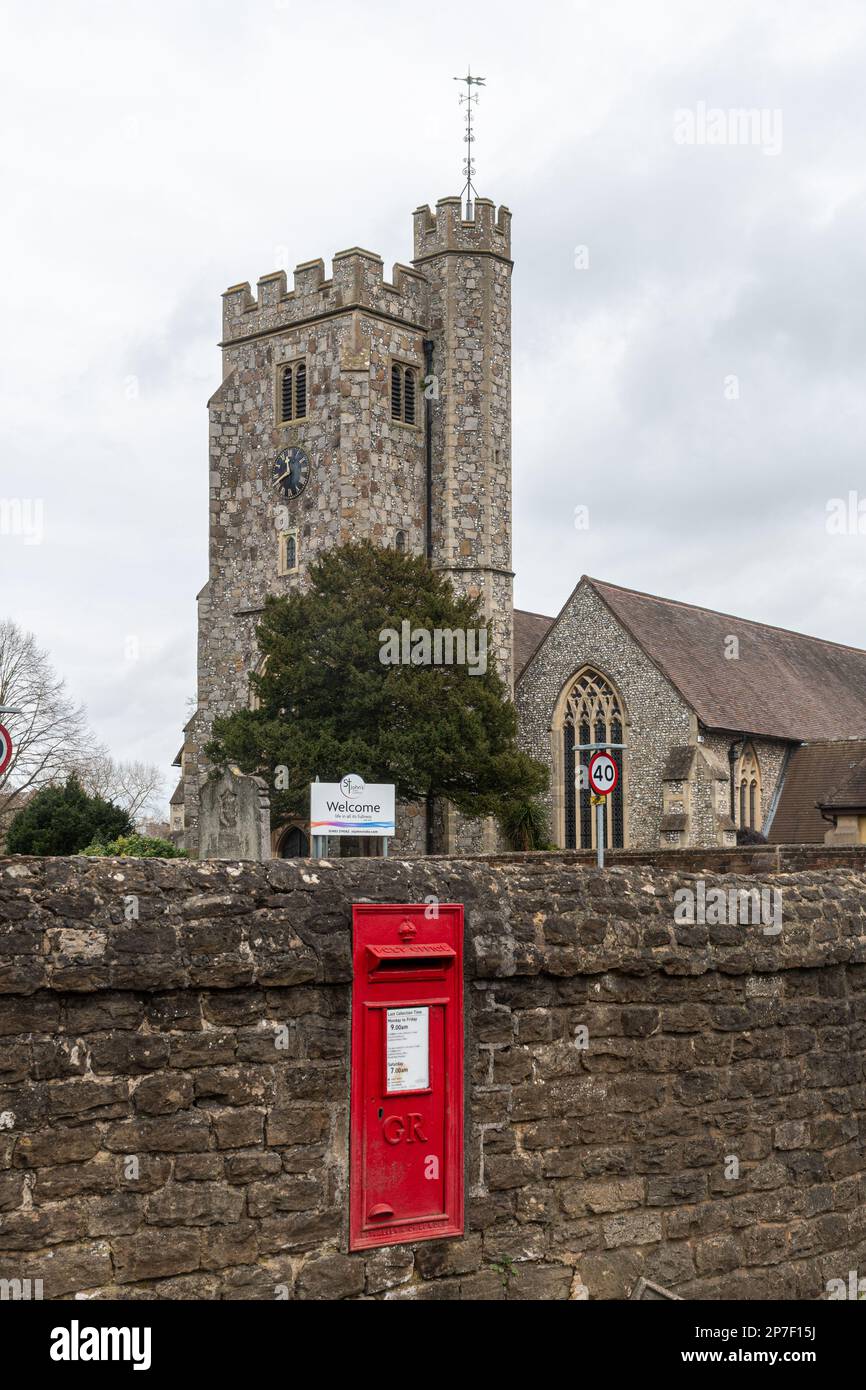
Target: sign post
603,775
351,807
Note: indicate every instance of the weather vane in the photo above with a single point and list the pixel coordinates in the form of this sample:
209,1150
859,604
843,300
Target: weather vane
470,98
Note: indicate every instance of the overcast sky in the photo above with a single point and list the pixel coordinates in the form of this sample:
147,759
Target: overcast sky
689,327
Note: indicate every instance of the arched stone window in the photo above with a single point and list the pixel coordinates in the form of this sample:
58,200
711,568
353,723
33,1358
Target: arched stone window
287,394
287,552
748,782
409,396
589,710
400,541
404,391
292,392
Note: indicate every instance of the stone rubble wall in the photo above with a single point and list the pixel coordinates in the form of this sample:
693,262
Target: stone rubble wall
174,1085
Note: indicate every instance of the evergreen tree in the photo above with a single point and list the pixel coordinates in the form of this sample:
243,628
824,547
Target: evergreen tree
329,704
63,819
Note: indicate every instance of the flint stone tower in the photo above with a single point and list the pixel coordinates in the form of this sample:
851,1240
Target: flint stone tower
398,397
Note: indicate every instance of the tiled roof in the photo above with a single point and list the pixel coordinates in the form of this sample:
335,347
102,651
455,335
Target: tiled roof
679,763
813,773
529,628
782,684
850,794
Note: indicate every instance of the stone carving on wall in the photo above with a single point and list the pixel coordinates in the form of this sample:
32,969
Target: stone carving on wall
235,817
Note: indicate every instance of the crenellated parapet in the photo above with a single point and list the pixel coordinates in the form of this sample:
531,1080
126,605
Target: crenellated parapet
448,230
357,282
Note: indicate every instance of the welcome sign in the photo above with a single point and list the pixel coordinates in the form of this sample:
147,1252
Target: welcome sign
351,807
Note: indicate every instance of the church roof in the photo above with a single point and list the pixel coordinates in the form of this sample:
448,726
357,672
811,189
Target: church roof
782,684
813,773
850,794
529,629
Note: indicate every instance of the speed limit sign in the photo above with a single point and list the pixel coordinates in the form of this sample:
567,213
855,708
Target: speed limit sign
5,748
603,774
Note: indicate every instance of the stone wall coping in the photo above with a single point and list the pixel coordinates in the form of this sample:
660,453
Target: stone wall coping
227,925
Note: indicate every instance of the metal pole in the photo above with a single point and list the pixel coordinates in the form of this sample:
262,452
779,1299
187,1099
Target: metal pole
600,808
384,846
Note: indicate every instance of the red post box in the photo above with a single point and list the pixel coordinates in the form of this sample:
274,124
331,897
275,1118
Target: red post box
406,1166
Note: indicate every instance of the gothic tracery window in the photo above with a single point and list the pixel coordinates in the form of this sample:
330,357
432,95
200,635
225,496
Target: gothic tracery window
593,714
748,782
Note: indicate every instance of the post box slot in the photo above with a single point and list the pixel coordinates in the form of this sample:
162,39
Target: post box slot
383,967
430,952
422,960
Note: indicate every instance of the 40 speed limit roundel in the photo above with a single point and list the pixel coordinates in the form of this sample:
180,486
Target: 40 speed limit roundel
5,747
603,774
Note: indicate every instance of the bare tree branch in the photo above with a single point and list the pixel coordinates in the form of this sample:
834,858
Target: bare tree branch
50,733
51,738
136,786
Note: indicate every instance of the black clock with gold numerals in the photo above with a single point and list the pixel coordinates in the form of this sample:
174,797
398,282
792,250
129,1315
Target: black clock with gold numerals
291,471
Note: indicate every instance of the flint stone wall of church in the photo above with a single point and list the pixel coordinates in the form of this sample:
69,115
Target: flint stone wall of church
658,718
174,1088
771,760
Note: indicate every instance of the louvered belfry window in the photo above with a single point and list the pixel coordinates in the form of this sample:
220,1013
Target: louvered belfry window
288,399
293,392
593,714
404,394
409,396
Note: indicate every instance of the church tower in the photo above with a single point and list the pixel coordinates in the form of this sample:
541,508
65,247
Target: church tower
467,265
356,407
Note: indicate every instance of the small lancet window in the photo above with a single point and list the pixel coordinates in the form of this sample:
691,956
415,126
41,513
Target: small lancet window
396,393
287,400
287,560
409,397
748,780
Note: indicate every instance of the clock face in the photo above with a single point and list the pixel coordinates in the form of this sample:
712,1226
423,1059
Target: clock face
291,471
